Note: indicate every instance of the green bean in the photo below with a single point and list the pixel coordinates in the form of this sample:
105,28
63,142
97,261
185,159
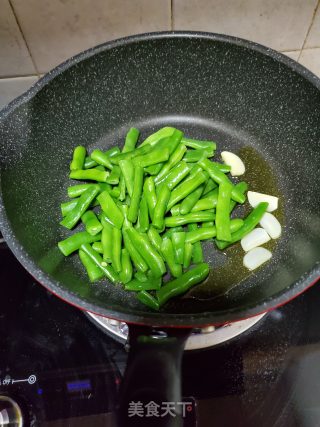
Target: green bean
196,144
178,241
185,188
99,168
101,158
249,224
188,248
161,206
183,283
155,238
193,156
126,267
106,239
210,185
89,175
149,192
168,255
142,277
189,202
220,177
141,151
147,251
175,158
148,300
154,138
175,210
205,233
122,188
116,249
93,271
241,186
127,170
136,194
223,212
74,242
203,216
176,175
207,224
170,232
89,163
153,169
91,222
77,190
154,157
137,285
67,207
131,140
111,210
143,217
208,202
79,155
97,246
95,256
197,255
115,192
114,176
71,219
135,256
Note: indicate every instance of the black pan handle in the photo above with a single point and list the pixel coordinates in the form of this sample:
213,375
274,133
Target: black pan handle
152,377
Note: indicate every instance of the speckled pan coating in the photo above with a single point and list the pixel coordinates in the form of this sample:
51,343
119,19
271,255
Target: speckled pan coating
248,98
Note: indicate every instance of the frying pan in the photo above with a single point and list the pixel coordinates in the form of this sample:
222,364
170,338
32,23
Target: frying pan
250,99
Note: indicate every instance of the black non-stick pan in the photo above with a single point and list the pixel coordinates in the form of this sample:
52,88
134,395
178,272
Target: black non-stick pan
249,99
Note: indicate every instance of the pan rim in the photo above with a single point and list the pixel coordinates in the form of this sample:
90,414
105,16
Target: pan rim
147,317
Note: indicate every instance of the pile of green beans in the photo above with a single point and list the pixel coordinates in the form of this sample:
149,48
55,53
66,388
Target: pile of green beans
145,210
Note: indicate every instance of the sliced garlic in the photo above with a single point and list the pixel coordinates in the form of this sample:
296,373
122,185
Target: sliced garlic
256,198
256,237
234,161
272,226
256,257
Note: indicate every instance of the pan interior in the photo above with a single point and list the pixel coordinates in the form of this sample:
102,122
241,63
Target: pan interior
246,101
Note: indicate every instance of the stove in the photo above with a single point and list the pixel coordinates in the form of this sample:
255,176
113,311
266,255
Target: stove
62,367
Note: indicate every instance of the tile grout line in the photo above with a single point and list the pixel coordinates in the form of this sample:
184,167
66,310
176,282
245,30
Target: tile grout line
24,39
309,29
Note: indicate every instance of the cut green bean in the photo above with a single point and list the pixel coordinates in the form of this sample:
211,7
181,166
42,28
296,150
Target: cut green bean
207,202
155,238
205,233
148,300
89,175
143,216
175,158
84,201
106,239
198,145
189,202
101,158
110,208
79,155
223,212
168,255
135,256
127,170
175,210
93,271
203,216
210,185
183,283
116,249
155,156
149,192
193,156
241,186
161,207
131,140
97,246
219,177
197,254
122,188
136,194
176,175
141,151
147,251
74,242
77,190
91,222
162,133
137,285
187,255
95,256
185,188
89,163
114,176
249,224
126,267
153,169
178,241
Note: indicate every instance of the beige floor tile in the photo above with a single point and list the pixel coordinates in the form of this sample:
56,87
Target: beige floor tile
14,55
294,54
60,29
13,87
310,58
313,39
280,24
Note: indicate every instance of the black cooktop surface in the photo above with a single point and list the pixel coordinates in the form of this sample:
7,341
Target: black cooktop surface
63,371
